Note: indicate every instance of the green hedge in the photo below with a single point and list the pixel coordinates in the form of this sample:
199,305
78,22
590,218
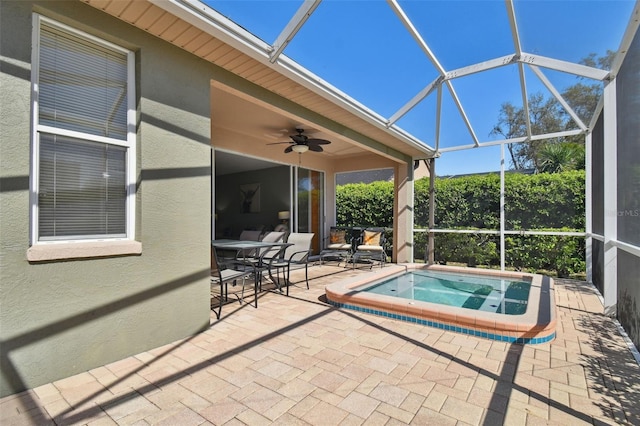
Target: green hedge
360,204
563,255
543,202
539,201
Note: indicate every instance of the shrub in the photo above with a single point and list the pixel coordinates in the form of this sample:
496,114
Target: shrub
544,201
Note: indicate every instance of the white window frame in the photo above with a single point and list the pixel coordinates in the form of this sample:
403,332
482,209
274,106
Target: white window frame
129,143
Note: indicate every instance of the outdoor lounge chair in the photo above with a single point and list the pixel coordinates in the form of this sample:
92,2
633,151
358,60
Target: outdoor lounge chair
339,245
371,247
294,256
221,276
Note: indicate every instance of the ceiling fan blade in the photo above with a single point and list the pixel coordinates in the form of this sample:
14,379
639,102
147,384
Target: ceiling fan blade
301,139
319,141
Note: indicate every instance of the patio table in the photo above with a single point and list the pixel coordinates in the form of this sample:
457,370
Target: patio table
245,248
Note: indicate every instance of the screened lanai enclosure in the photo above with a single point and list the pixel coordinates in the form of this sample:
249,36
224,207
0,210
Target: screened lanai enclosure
531,112
137,132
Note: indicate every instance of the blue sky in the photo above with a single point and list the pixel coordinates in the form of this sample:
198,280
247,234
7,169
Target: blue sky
362,48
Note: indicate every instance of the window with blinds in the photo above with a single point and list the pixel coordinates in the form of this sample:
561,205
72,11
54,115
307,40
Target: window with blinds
82,136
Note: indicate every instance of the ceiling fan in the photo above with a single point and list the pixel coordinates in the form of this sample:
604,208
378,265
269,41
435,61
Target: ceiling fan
302,143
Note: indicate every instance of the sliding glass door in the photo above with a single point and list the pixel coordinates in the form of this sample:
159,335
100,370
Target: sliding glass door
309,201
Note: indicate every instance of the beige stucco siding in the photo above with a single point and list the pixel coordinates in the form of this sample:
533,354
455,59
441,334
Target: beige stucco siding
63,317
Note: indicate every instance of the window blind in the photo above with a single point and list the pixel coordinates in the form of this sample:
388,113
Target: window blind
82,183
82,85
82,189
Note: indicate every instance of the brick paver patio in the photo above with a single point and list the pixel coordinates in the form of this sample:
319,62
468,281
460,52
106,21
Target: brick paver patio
297,360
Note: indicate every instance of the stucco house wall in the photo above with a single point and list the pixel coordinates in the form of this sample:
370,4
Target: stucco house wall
62,317
69,313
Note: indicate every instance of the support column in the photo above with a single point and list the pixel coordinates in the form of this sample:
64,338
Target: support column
610,199
403,214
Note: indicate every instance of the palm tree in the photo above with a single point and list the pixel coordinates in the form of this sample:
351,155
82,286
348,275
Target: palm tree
556,157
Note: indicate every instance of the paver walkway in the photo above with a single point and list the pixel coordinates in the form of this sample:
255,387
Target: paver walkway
296,360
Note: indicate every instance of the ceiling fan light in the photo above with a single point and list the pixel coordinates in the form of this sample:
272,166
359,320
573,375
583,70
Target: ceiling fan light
300,148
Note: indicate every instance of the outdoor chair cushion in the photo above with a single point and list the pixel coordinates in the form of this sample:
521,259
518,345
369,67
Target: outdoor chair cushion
371,238
369,247
371,241
337,236
337,240
339,246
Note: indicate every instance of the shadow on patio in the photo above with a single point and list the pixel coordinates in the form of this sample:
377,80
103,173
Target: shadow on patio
297,360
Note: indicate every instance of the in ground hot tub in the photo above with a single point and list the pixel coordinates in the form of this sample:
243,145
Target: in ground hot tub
511,307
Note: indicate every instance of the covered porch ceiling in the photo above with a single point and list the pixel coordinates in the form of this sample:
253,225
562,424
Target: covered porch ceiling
268,128
268,131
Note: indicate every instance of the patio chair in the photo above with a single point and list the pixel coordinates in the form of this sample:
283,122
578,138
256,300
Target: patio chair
261,257
294,256
371,246
339,245
249,235
272,237
221,276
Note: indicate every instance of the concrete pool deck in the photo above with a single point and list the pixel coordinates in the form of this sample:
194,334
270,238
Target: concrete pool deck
537,325
297,360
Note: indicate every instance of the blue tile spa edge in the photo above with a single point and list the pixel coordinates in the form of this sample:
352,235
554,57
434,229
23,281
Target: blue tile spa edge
447,327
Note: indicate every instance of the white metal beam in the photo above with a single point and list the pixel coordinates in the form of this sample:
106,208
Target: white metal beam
497,232
515,35
564,66
561,134
438,117
463,114
558,96
514,27
502,211
629,248
610,200
596,113
525,98
292,28
484,144
415,101
481,66
588,204
520,139
627,38
416,36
